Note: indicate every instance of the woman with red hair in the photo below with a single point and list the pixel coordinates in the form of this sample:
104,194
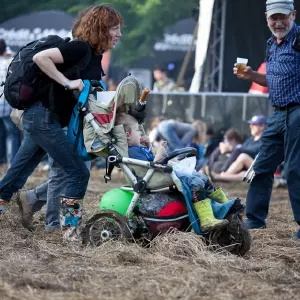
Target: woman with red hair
97,30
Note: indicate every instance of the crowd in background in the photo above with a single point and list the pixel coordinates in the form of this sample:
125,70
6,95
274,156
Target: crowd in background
224,155
10,136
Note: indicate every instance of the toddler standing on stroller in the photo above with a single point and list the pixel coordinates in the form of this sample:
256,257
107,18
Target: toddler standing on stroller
138,149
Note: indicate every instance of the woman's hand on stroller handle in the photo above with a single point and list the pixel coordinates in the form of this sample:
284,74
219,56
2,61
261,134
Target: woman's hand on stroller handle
75,85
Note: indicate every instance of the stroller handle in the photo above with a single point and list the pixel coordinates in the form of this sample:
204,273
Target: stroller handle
95,83
249,175
185,152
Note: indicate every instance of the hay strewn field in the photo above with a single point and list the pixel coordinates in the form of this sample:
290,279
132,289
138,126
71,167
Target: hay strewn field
178,266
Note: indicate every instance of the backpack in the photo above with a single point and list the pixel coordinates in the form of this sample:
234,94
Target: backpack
75,127
22,84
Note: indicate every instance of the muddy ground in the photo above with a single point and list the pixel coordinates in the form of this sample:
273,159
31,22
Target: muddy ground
177,266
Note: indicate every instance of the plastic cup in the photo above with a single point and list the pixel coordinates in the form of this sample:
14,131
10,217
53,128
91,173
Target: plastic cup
241,64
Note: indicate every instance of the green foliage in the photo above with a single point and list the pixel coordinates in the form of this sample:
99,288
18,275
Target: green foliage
144,20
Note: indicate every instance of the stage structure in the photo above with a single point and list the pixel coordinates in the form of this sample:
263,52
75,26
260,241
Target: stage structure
237,28
210,46
213,69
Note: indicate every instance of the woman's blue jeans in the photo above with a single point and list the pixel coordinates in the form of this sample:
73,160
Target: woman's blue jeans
44,134
10,139
51,189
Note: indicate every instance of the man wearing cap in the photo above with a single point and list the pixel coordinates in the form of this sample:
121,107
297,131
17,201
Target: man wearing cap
257,120
281,139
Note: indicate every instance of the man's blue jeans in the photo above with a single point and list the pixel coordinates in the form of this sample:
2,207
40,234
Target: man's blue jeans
44,134
10,139
280,141
51,189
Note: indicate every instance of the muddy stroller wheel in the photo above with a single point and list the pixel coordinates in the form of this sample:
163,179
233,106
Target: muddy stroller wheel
234,238
105,226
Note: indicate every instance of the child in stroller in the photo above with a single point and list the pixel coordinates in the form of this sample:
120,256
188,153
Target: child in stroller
137,149
121,213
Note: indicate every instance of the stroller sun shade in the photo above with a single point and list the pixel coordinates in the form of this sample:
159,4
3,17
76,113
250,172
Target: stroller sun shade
99,124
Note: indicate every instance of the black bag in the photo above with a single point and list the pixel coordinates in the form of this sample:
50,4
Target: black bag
22,84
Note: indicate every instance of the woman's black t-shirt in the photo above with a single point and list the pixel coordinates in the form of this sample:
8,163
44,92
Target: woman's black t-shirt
73,53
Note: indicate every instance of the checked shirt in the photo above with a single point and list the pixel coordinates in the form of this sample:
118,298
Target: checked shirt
283,70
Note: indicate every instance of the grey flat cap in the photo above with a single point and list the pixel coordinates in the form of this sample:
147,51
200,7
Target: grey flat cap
279,7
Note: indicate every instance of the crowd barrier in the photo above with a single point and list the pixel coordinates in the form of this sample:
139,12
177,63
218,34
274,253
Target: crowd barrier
219,110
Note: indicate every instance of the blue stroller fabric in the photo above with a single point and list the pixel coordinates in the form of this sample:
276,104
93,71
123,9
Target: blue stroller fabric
75,127
190,207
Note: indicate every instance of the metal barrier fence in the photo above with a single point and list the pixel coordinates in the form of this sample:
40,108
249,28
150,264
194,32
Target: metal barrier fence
219,110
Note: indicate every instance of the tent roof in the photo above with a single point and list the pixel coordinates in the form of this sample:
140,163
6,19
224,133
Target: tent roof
49,18
21,30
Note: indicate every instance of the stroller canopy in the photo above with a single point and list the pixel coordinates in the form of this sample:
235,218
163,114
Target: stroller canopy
99,124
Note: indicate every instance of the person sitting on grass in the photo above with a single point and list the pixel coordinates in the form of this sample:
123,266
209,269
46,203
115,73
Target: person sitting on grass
138,149
242,156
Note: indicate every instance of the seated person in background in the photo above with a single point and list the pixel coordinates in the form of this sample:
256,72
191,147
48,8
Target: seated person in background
153,133
211,143
137,149
180,135
221,154
111,85
199,140
162,82
242,156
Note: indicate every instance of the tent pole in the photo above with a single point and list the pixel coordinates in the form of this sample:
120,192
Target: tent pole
187,59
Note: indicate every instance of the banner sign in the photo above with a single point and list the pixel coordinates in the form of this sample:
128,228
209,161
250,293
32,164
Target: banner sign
21,30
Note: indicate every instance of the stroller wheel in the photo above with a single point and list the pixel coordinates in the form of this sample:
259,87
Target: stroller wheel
106,226
235,237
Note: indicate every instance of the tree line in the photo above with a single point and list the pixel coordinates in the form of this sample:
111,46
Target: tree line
144,20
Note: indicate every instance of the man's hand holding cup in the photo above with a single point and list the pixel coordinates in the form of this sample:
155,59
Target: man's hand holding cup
241,70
